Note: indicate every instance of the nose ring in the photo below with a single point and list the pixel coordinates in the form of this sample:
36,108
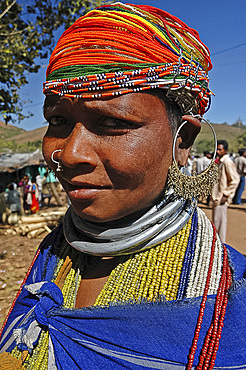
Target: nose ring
59,166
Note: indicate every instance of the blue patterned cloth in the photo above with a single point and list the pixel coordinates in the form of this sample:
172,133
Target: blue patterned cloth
130,336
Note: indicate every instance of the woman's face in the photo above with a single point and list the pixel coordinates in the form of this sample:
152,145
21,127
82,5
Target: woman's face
114,153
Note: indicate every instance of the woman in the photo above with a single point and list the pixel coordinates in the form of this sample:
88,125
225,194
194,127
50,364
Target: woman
136,277
34,193
25,185
13,199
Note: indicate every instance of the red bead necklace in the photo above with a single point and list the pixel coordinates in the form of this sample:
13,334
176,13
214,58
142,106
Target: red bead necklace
211,342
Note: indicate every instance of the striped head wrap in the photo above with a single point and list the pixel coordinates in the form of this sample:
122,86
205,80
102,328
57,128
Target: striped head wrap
122,48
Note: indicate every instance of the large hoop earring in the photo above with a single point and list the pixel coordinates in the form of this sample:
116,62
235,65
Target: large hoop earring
193,186
59,166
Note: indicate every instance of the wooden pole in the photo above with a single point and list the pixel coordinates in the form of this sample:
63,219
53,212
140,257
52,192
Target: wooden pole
55,193
35,233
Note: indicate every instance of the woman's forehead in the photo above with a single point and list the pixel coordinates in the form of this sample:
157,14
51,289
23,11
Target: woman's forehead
142,103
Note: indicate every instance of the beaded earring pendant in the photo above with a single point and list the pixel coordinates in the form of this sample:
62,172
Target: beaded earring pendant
193,186
189,187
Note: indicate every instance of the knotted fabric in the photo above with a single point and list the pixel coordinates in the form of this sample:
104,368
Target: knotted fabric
50,297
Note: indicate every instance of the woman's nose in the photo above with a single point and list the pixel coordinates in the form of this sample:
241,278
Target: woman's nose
79,148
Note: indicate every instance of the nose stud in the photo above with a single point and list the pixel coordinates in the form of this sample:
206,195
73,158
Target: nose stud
59,166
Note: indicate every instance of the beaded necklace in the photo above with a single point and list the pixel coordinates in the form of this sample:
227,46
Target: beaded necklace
168,270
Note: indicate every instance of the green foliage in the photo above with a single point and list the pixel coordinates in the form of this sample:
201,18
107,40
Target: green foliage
27,36
14,147
239,123
230,133
242,140
204,144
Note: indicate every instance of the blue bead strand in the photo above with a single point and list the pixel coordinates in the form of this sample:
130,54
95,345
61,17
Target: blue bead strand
188,259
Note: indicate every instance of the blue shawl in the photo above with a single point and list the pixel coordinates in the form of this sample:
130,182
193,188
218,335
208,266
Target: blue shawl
132,336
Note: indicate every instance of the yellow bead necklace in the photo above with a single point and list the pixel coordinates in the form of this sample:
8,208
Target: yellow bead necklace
148,275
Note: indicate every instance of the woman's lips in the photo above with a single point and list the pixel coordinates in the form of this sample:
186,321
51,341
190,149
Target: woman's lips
85,191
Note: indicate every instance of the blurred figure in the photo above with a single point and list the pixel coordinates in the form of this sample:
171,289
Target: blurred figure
201,165
46,190
203,162
189,164
41,168
3,196
39,181
13,199
34,194
25,184
224,190
240,163
53,183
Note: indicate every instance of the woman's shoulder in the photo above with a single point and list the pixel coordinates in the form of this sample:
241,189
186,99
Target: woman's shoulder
45,260
54,239
237,262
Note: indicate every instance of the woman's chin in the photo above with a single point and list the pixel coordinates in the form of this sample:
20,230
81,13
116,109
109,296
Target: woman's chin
94,213
97,217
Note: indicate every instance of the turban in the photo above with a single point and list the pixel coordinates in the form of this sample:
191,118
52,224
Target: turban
122,48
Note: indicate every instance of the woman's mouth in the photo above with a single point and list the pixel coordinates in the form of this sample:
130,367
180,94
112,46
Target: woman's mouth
85,191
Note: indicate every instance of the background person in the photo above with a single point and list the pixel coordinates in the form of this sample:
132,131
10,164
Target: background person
223,192
203,162
41,168
3,196
25,185
46,190
240,163
39,181
33,191
189,164
53,182
13,199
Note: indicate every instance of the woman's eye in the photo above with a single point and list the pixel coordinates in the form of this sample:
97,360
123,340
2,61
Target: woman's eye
56,121
116,123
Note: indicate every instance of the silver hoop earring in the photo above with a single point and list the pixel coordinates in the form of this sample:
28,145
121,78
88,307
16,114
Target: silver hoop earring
59,166
193,186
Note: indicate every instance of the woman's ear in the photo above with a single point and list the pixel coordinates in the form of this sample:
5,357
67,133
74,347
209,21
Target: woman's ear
186,138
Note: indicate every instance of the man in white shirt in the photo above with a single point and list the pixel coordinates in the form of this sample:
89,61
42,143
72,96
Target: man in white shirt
223,192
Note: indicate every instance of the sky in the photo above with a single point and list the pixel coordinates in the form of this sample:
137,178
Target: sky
222,27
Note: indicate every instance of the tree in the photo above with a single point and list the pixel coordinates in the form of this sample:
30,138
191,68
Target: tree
242,140
26,36
238,123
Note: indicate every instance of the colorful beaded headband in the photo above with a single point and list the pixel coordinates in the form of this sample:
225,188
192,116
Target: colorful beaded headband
123,48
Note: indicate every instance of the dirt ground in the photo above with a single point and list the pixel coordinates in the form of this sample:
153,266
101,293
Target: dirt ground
16,253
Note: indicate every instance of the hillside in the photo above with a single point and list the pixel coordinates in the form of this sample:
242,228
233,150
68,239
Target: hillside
9,131
32,135
223,132
16,140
